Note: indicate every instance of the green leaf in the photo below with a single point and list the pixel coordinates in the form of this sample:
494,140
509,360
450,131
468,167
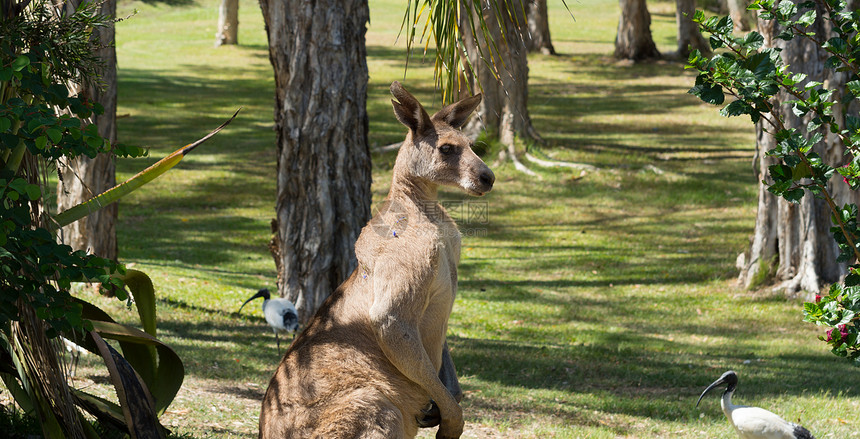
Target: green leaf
167,378
807,18
55,134
787,8
811,85
18,185
833,62
20,62
5,124
753,40
708,92
780,172
836,45
798,77
801,171
736,108
760,64
94,141
793,195
41,142
33,192
811,310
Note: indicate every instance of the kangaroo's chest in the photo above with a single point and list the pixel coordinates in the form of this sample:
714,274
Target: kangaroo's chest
448,246
443,289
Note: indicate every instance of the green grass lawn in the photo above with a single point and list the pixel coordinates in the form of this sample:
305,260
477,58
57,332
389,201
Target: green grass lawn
596,305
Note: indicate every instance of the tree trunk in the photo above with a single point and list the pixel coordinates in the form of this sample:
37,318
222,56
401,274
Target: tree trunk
738,12
504,82
228,23
689,37
634,40
537,39
792,245
83,178
318,53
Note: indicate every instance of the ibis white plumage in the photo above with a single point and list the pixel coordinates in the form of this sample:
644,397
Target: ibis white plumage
280,314
753,422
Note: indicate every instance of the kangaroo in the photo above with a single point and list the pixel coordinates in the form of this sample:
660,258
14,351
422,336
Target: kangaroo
373,362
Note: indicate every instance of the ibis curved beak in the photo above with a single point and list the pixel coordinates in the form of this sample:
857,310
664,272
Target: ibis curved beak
716,383
259,294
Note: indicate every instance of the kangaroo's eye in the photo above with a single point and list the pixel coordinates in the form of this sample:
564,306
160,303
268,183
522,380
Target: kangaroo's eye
446,149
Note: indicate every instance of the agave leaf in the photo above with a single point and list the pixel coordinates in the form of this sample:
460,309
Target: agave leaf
135,400
158,365
21,397
106,412
143,292
89,431
113,194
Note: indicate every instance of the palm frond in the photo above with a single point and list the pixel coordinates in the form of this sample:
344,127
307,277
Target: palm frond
446,24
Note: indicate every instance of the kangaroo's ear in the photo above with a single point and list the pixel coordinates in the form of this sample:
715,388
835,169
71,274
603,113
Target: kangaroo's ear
458,113
409,111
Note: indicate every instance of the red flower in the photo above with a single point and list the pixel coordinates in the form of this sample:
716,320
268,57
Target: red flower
829,335
817,298
843,331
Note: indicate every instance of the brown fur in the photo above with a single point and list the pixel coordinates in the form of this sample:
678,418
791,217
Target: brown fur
371,359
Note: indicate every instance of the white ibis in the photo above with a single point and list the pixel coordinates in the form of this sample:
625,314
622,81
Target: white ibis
753,422
280,314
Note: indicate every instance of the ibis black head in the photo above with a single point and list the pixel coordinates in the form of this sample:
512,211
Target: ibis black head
264,293
730,379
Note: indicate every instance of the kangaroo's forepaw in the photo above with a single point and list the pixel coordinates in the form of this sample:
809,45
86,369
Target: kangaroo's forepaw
449,431
431,416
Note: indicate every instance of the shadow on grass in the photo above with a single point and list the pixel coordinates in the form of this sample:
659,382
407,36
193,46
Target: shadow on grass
614,375
187,221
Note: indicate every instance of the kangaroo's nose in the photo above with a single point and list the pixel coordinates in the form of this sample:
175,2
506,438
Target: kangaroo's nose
487,178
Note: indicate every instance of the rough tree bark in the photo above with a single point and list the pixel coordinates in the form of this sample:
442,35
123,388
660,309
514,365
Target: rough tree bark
227,31
538,39
634,41
318,53
791,244
83,177
689,37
